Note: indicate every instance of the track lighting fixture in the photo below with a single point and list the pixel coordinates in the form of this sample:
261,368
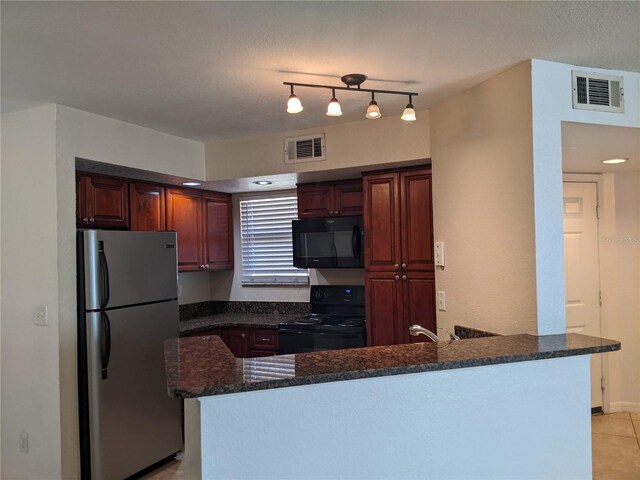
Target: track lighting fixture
294,105
353,83
373,111
334,110
409,114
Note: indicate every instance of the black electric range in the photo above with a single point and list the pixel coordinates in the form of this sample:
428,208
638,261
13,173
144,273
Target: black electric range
337,321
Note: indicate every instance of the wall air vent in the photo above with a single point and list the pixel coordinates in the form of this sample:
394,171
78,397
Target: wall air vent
603,93
309,148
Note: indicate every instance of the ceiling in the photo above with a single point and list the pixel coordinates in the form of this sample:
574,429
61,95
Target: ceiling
214,70
585,145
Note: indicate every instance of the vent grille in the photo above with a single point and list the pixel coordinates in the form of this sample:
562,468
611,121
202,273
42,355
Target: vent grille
598,92
304,149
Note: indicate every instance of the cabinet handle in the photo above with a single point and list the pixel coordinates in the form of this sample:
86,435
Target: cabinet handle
242,335
337,212
265,339
85,220
91,219
404,265
397,277
206,267
397,266
201,267
404,277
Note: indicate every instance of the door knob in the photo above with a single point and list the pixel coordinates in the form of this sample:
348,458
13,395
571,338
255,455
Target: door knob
397,277
404,265
397,266
404,277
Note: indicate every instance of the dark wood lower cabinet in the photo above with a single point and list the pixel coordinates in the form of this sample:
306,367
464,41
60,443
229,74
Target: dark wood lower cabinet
236,341
395,301
245,342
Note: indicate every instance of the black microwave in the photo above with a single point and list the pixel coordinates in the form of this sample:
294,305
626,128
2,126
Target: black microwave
332,242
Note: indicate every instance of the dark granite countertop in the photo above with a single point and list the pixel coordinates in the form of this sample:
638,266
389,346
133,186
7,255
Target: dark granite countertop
203,366
241,320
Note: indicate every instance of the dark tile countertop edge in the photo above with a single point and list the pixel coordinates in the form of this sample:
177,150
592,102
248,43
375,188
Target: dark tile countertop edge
208,367
239,320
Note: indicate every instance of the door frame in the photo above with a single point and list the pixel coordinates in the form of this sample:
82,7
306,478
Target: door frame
606,229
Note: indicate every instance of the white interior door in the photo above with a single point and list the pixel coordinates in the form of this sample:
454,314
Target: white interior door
582,272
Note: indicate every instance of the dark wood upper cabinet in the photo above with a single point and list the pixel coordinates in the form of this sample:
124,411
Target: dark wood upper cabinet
327,199
416,220
102,202
382,245
148,207
218,231
184,215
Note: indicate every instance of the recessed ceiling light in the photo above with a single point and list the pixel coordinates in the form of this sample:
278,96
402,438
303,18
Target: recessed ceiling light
191,184
263,182
615,160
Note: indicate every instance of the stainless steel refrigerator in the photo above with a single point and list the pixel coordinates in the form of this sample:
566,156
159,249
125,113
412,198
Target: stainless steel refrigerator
127,308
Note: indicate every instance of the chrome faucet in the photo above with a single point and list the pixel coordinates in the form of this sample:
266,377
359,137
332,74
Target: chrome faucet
416,330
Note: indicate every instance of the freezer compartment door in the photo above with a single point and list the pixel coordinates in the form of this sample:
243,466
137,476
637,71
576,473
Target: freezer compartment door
133,421
129,268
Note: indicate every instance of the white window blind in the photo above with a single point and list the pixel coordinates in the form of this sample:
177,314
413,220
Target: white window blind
267,252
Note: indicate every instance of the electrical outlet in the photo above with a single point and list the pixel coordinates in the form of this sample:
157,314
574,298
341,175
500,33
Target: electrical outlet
442,304
40,316
24,442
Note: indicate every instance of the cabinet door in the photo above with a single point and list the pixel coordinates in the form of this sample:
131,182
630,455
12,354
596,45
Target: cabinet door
184,215
348,198
419,294
382,222
383,308
236,340
416,223
106,202
218,231
315,200
147,207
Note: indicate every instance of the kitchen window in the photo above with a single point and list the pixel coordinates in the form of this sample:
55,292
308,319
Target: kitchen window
267,249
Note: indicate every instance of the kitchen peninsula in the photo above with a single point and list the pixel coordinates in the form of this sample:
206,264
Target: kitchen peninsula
495,407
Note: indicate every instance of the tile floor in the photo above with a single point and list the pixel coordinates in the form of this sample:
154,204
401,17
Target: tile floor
616,446
615,442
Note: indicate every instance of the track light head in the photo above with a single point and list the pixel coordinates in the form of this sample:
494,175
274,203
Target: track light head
409,114
334,110
373,111
293,104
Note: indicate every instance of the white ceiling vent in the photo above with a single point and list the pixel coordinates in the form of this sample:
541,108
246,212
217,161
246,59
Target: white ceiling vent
592,91
309,148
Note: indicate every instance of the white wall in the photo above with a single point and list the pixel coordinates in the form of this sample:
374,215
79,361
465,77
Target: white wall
483,204
552,104
367,142
227,285
30,365
621,301
520,420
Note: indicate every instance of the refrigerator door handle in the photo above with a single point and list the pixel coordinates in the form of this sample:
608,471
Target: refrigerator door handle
104,277
105,343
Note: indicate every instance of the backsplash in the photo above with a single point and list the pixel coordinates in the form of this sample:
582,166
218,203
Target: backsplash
204,309
468,332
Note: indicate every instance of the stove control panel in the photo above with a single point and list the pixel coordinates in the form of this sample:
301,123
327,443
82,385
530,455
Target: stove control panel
337,294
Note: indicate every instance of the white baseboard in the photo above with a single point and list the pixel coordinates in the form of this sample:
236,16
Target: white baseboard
624,407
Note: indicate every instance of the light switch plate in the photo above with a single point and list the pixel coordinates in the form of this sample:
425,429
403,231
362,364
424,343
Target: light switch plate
439,254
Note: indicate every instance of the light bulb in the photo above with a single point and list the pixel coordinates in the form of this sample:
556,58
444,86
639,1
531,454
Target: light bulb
294,105
334,110
614,160
409,114
373,111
